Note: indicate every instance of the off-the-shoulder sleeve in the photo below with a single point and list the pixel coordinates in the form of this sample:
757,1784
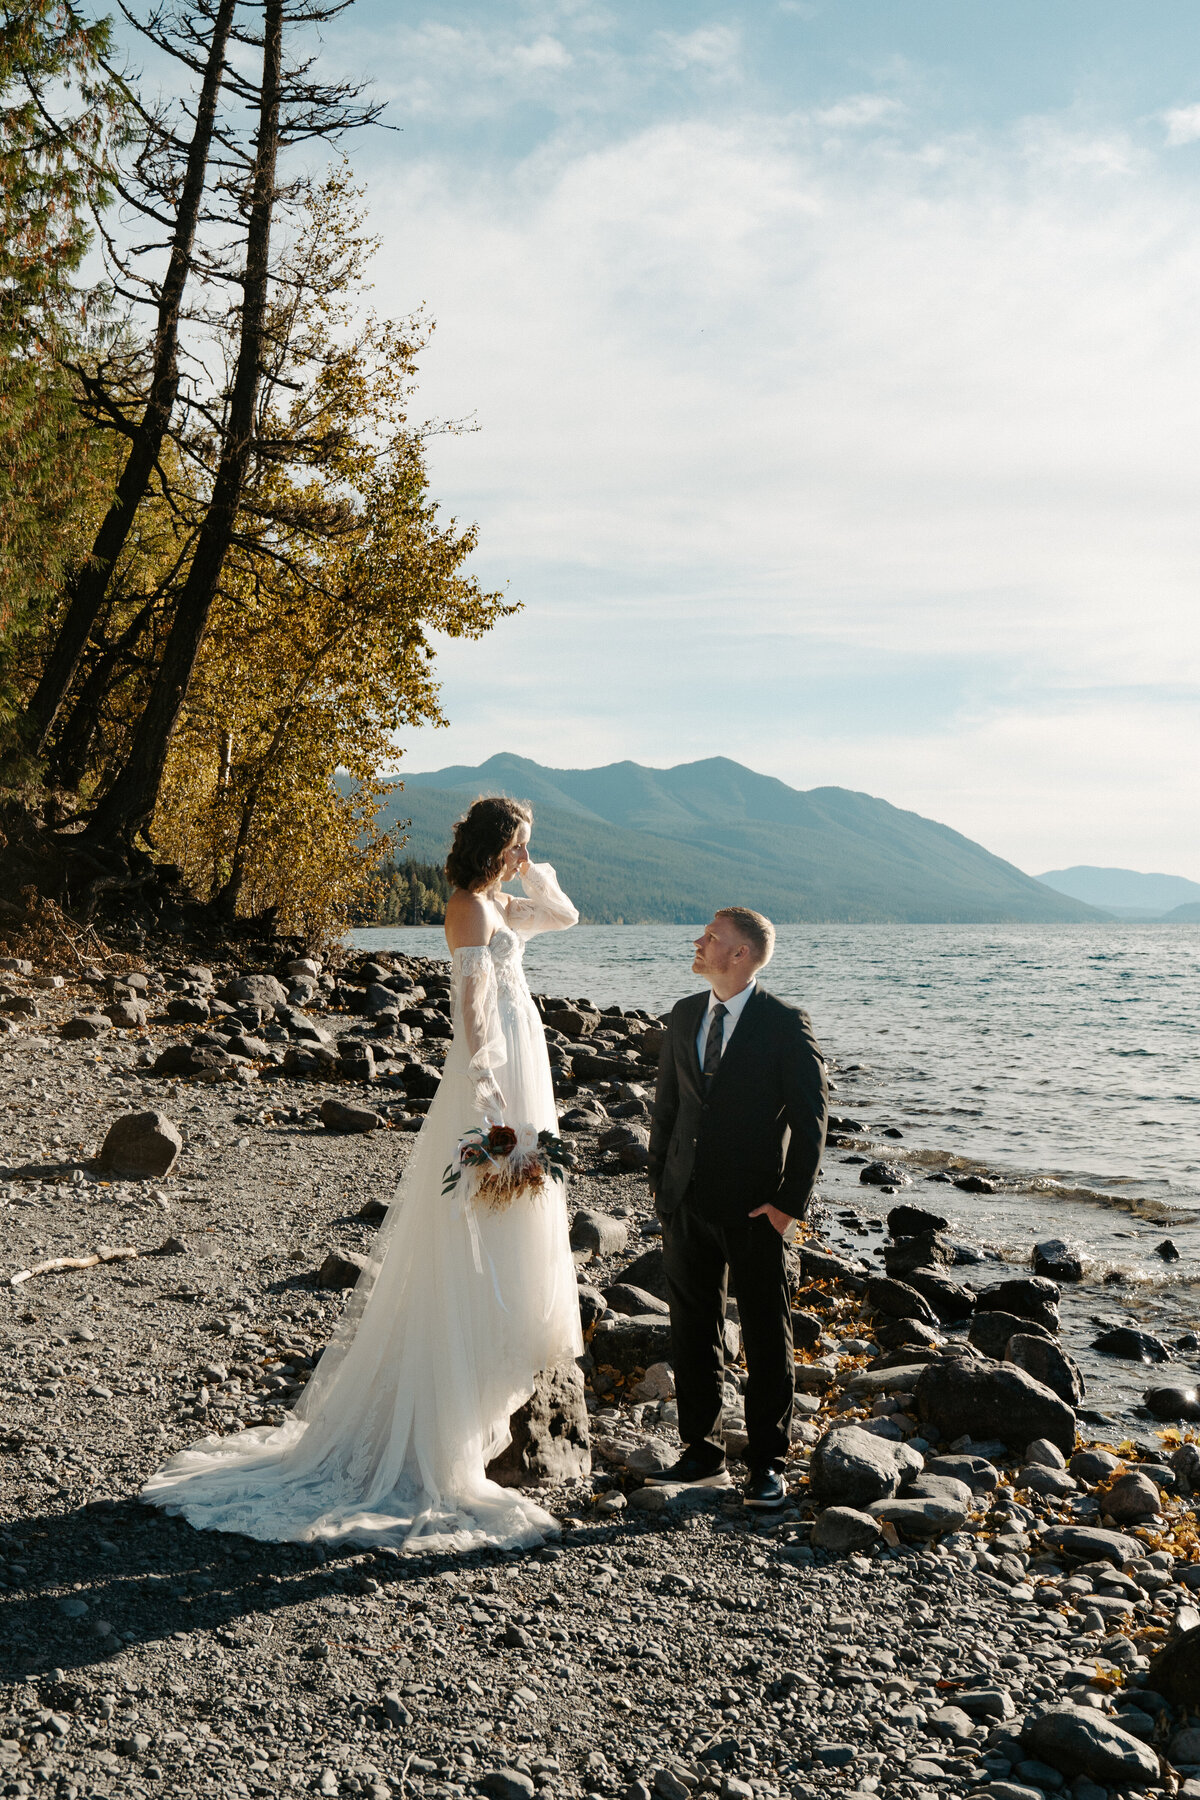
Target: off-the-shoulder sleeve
476,973
545,907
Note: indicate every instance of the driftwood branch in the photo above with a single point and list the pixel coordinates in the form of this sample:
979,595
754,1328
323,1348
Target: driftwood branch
104,1253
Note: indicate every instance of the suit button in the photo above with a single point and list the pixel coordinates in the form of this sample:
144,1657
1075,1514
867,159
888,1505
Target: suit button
704,1106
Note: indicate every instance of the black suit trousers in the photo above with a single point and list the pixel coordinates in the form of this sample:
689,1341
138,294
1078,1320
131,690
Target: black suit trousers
701,1257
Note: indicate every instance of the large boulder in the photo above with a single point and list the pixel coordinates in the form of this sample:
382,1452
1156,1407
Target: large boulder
969,1396
341,1269
950,1300
262,991
853,1467
631,1343
1091,1543
1028,1296
184,1059
144,1146
647,1271
598,1233
922,1515
1048,1363
87,1025
992,1332
1131,1499
923,1250
337,1116
633,1301
1173,1403
899,1301
909,1221
1132,1346
843,1528
1175,1671
1077,1741
549,1438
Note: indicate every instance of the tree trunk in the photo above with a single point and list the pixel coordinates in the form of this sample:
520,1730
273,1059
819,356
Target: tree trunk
87,589
129,804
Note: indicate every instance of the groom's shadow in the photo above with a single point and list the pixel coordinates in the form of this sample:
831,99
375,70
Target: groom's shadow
87,1584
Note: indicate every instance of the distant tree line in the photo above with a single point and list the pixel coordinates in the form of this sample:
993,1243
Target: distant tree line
409,893
220,564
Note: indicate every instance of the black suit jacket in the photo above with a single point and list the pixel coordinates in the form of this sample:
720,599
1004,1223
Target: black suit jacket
757,1135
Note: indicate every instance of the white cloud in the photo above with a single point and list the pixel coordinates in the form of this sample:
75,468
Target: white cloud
858,110
1183,124
747,402
712,47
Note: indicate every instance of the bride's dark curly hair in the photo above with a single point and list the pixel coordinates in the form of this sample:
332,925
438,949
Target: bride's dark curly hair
481,837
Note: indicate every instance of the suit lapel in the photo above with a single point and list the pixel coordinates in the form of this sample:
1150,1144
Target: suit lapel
744,1033
697,1010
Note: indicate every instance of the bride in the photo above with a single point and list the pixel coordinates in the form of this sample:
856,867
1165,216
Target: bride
461,1305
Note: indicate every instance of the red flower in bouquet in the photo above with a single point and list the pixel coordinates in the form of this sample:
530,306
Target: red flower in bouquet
502,1140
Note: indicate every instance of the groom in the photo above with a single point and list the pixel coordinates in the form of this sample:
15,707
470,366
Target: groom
735,1146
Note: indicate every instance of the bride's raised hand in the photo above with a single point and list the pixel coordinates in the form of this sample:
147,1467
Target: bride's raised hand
489,1099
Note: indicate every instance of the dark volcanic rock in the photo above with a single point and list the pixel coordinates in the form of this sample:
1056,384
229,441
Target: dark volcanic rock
646,1271
1175,1671
972,1397
144,1145
631,1343
1173,1404
991,1332
899,1301
550,1440
1131,1345
975,1184
882,1174
822,1265
1077,1741
925,1250
1056,1260
633,1301
905,1334
1029,1297
950,1300
910,1221
1048,1363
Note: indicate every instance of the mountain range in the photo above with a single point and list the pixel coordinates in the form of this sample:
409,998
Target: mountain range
1128,894
633,844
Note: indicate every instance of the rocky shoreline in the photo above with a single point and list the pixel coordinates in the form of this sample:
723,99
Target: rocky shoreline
978,1584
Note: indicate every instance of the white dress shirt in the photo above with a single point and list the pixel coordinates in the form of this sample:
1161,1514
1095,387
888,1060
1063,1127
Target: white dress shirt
734,1008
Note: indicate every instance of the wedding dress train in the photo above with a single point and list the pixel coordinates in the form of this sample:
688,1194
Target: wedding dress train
442,1335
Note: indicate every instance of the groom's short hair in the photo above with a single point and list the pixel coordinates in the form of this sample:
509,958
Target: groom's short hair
755,927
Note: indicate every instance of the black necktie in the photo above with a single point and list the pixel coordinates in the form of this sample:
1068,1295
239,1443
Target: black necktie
714,1041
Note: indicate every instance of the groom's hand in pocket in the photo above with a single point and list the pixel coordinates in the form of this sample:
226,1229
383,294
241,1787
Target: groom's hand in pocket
780,1220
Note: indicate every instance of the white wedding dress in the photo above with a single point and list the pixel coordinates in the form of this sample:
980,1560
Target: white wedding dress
445,1331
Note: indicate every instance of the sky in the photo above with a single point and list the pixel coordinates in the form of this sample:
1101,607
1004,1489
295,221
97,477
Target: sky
835,369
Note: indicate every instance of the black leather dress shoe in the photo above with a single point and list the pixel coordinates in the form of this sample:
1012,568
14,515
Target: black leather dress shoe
693,1470
765,1488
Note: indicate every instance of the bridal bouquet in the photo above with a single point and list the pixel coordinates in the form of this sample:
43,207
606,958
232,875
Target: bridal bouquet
502,1162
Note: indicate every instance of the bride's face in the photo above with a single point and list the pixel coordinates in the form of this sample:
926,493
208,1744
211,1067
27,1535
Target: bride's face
516,854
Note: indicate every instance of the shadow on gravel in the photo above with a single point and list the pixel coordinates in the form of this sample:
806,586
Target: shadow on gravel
106,1577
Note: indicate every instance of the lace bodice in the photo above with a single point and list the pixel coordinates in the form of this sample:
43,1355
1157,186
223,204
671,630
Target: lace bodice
483,976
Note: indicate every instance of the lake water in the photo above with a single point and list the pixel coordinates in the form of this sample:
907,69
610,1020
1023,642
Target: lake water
1063,1059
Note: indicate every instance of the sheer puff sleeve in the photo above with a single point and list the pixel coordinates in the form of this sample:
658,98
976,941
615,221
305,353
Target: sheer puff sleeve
476,974
544,907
